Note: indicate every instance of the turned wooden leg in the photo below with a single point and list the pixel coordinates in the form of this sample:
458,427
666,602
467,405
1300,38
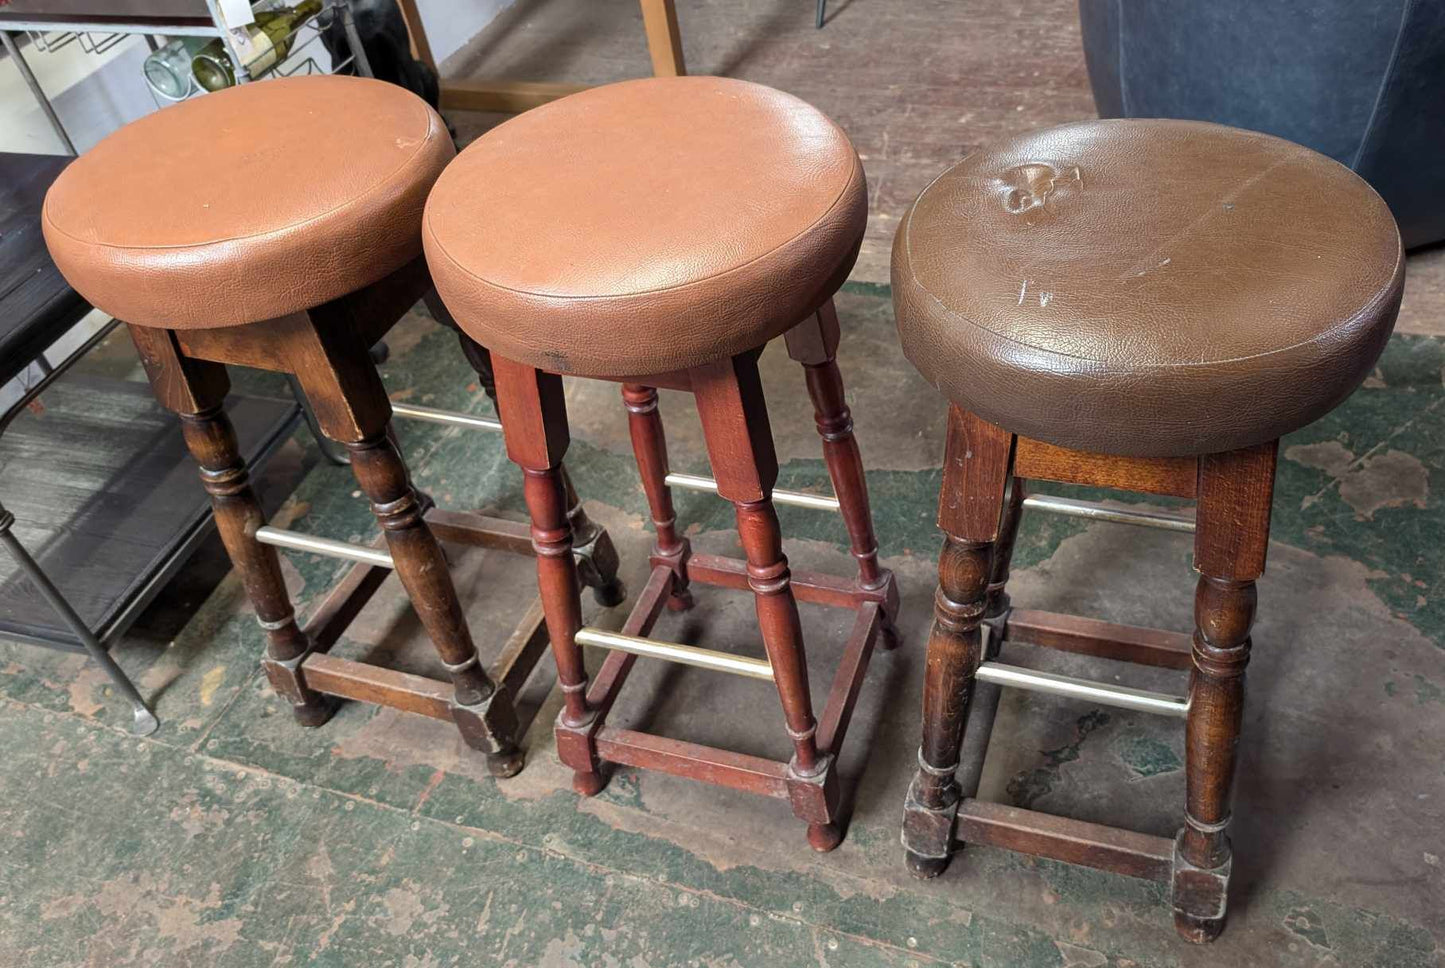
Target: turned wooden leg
212,442
740,447
996,612
597,559
649,446
534,419
976,469
1235,490
814,344
194,390
482,709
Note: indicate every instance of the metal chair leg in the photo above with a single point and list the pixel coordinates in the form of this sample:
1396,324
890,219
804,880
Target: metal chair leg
822,12
145,720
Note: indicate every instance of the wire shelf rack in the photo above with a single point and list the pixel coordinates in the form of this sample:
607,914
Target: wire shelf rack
99,38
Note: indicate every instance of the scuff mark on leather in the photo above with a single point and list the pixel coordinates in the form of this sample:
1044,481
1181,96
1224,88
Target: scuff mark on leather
1030,186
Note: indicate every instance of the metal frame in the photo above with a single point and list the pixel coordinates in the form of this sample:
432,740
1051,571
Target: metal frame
674,652
217,28
144,720
96,643
1124,697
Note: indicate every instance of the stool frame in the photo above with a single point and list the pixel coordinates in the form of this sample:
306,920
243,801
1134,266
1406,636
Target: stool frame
982,497
326,350
739,440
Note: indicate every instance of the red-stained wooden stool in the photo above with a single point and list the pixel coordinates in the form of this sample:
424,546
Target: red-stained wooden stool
159,225
659,233
1139,305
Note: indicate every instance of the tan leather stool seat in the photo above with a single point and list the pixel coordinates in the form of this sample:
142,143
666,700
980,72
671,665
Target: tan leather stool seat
1147,288
646,226
252,203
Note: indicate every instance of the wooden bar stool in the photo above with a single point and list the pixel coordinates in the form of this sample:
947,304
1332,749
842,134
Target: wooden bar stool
278,225
658,233
1141,305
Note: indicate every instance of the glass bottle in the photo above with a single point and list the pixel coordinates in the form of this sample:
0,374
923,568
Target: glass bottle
270,39
168,69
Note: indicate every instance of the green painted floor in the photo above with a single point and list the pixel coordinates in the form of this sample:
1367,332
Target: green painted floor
233,837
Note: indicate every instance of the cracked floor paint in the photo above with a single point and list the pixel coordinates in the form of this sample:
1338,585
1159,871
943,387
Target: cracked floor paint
236,838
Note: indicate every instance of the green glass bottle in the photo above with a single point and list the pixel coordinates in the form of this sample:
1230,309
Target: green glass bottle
270,37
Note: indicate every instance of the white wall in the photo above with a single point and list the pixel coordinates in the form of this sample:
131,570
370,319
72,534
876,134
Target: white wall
451,23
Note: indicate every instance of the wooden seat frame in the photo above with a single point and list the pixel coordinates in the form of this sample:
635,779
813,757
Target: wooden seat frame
327,351
979,507
739,442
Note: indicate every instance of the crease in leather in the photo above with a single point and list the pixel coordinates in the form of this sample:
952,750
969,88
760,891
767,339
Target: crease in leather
384,181
856,176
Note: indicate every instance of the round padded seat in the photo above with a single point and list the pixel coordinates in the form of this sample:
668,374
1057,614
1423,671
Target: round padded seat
646,226
1147,288
248,204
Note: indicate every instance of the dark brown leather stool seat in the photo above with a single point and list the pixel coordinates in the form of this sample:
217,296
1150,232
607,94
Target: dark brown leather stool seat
1147,288
213,212
727,213
1142,306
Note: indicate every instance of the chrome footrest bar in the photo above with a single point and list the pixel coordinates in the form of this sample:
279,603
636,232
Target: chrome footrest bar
296,541
683,654
818,502
1124,697
432,415
1099,512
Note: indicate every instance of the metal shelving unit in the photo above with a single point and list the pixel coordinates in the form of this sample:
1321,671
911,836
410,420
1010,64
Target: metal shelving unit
110,586
99,25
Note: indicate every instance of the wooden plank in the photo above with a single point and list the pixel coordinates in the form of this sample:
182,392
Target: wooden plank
480,530
609,679
848,680
506,97
522,651
752,774
1038,461
1106,640
416,33
664,40
1071,841
344,602
373,684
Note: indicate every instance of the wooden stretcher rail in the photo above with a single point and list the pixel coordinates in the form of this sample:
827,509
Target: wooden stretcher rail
1072,841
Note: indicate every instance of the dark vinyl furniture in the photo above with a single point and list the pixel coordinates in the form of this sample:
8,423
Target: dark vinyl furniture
1362,81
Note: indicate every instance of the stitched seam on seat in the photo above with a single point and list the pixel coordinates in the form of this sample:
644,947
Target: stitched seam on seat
1344,324
441,247
381,183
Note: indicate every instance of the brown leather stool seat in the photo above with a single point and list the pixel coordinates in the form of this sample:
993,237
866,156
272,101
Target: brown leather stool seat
1147,288
727,213
248,204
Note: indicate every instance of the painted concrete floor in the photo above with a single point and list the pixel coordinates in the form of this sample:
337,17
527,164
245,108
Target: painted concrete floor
233,837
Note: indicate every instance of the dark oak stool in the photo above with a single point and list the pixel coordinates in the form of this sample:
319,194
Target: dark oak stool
1140,305
278,225
658,233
